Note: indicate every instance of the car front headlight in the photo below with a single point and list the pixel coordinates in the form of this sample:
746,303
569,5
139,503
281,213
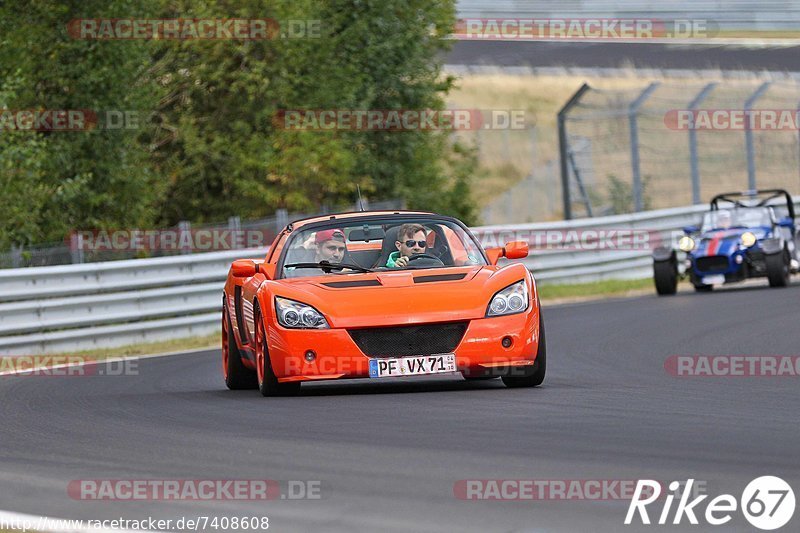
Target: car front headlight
686,244
298,315
748,239
511,300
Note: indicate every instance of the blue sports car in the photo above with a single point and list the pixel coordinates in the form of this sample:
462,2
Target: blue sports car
744,235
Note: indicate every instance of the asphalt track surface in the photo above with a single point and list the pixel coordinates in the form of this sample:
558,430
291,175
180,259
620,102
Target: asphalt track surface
624,55
388,453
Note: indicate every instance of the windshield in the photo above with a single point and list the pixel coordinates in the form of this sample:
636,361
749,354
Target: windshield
353,246
742,217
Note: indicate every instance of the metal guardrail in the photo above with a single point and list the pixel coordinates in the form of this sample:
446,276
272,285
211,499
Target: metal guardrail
731,14
101,305
576,265
115,303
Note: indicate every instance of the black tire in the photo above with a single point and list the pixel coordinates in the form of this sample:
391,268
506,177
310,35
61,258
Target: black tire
665,274
703,288
539,367
778,269
236,375
268,384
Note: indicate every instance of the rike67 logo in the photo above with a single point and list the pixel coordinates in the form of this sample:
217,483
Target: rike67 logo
767,502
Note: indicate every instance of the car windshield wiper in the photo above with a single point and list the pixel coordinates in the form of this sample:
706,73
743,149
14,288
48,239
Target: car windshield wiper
327,266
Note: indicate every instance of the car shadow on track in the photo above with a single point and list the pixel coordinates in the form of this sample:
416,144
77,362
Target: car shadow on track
397,386
352,387
749,286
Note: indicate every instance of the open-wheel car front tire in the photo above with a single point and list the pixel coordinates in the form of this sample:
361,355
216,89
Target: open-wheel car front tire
268,384
665,275
778,269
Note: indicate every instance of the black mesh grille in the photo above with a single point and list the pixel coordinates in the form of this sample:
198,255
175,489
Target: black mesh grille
403,341
712,263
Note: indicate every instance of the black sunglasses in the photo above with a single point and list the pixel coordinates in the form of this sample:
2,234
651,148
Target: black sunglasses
422,244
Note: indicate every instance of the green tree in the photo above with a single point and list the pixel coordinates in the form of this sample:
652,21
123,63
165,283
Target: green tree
218,141
98,178
208,146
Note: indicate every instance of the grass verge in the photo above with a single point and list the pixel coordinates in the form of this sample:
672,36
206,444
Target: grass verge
152,348
594,290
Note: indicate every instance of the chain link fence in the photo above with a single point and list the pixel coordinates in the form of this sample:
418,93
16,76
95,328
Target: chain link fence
669,144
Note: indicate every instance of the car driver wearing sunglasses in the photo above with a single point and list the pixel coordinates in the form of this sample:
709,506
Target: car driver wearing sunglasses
412,240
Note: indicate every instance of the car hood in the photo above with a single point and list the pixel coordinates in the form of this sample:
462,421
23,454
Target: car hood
400,297
725,241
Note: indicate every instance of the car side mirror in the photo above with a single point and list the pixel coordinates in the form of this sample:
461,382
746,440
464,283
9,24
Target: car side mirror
244,268
786,222
515,250
690,230
494,255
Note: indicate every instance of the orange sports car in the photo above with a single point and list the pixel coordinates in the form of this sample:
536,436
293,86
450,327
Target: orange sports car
380,294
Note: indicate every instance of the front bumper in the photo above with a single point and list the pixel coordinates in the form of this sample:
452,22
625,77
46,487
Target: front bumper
752,265
480,351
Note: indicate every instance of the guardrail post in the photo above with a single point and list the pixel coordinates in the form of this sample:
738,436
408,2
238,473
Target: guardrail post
563,142
633,121
748,135
695,166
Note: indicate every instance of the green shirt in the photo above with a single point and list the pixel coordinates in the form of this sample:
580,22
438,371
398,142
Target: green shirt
394,256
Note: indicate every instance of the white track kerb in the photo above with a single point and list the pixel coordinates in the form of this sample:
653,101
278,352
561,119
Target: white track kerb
70,308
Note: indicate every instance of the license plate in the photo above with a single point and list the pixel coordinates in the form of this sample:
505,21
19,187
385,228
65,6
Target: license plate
412,366
714,280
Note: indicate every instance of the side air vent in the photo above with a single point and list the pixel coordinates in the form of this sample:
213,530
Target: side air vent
355,283
439,277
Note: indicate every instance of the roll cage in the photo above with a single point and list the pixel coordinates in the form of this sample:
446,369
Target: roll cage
757,198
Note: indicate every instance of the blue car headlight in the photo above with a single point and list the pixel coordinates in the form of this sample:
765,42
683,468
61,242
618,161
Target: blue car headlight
509,301
748,239
686,244
297,315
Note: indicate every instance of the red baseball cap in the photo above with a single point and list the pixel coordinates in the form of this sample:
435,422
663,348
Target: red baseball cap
329,234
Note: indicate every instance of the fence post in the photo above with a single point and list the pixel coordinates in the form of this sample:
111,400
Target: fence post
633,121
563,143
16,256
76,247
237,237
695,166
748,135
281,220
185,236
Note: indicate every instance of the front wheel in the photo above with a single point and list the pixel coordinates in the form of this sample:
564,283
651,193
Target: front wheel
665,274
778,267
539,367
268,384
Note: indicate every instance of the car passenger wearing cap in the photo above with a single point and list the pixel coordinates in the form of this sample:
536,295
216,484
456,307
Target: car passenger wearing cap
330,244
